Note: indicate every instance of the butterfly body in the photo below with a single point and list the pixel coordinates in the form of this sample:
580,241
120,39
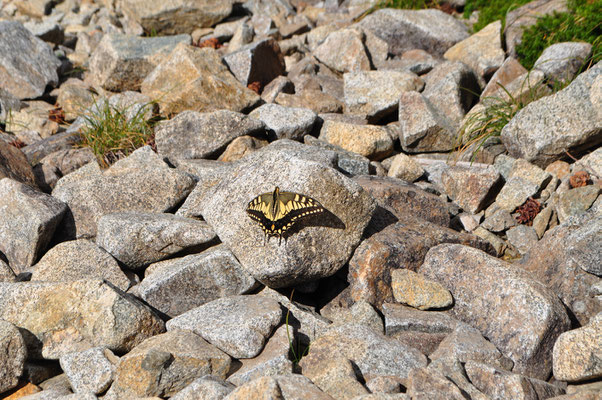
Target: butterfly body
276,212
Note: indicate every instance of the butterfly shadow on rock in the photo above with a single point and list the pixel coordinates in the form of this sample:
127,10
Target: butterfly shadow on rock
325,218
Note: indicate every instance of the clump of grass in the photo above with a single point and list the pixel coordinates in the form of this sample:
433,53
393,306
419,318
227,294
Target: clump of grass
114,132
583,23
296,349
491,10
409,4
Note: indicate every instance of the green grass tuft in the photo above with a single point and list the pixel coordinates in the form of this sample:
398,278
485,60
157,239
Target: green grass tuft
583,23
113,133
491,10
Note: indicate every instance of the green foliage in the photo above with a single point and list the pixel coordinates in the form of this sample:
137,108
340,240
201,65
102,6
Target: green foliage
409,4
113,133
296,349
490,10
583,23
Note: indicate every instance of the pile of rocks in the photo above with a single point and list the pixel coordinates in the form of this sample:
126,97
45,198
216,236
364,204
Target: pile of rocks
424,279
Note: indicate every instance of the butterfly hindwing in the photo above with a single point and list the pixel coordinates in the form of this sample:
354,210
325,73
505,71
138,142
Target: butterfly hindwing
276,212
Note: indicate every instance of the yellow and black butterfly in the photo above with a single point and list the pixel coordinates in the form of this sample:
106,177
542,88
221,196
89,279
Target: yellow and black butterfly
277,211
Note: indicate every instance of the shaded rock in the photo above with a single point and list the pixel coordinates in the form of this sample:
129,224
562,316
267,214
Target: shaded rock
285,387
337,377
569,120
8,104
423,126
560,260
361,312
499,221
79,259
47,30
576,202
400,245
482,51
502,384
413,289
261,61
181,284
506,73
206,387
35,152
471,188
373,353
521,18
139,182
195,79
522,237
12,356
424,383
273,360
343,51
514,193
34,8
179,16
370,141
32,65
240,147
561,62
519,315
347,161
238,325
164,364
280,84
60,163
375,94
138,239
90,370
285,122
28,219
577,353
192,134
455,372
452,88
14,165
76,316
404,167
320,246
121,62
431,30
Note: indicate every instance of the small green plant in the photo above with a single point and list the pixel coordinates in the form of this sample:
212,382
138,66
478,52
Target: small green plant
583,23
409,4
296,348
491,10
113,132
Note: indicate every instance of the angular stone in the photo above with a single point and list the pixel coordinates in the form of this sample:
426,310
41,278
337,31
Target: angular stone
139,182
508,71
344,51
273,360
176,16
34,8
568,120
404,167
454,371
164,364
522,237
13,353
14,165
499,221
413,289
206,387
361,312
90,371
471,188
519,315
576,202
561,62
285,122
373,353
240,147
48,30
28,219
79,259
423,126
63,162
280,84
317,247
452,88
316,100
196,79
577,353
514,193
66,317
181,284
503,384
428,384
523,17
238,325
529,172
121,62
138,239
35,152
337,378
370,141
33,116
400,245
375,94
192,134
431,30
347,161
6,274
290,386
32,64
261,61
482,51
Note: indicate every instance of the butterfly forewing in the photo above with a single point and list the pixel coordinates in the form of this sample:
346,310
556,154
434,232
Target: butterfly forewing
277,211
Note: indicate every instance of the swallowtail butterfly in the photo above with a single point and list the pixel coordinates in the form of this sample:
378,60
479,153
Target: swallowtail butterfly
278,211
